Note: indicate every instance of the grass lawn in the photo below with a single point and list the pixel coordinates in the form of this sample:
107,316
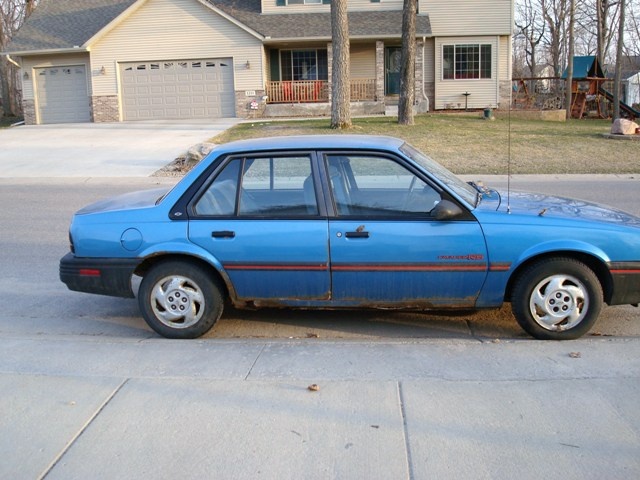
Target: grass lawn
465,143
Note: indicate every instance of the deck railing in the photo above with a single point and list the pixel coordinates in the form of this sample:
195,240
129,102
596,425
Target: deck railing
313,91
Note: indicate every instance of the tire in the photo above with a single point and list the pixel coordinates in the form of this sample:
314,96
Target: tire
557,299
180,300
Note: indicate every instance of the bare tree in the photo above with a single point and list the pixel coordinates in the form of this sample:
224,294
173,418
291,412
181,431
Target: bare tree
12,15
340,78
555,13
568,89
619,49
408,63
531,29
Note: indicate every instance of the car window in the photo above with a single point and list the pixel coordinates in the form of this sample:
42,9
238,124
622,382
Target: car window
377,186
269,186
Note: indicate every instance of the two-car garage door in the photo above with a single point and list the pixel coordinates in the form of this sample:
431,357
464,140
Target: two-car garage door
178,89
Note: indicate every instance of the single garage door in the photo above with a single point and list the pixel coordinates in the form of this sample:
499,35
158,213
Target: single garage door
176,89
62,94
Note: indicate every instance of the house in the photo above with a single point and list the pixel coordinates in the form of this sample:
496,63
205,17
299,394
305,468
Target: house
121,60
630,79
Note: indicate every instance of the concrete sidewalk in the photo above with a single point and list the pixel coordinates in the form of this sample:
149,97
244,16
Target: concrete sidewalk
127,149
113,408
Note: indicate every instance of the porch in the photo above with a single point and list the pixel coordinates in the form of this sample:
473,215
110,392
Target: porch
317,91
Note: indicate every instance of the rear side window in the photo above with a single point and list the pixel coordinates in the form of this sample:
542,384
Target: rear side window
273,186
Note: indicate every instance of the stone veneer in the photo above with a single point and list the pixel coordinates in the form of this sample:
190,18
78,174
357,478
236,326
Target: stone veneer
29,112
105,109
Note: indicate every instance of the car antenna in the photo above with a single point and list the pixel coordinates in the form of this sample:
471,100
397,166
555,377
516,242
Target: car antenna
509,159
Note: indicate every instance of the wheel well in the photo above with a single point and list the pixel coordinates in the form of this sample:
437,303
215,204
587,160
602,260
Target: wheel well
150,262
595,264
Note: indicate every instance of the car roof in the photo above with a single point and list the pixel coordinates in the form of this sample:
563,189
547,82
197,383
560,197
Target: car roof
313,142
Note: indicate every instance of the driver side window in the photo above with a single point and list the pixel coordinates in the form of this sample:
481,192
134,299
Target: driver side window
365,185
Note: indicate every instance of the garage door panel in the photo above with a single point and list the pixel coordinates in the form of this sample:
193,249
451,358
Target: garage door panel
201,88
62,94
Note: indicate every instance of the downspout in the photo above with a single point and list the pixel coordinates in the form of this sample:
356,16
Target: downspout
498,71
424,94
11,60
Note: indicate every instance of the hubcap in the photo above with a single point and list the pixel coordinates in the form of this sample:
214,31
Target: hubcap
559,302
177,301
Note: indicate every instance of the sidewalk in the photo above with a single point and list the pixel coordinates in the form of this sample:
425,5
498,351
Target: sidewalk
113,408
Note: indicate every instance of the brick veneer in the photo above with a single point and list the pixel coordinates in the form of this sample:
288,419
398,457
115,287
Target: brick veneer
29,112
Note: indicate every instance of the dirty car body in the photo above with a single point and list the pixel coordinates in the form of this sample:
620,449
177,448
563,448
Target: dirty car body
351,221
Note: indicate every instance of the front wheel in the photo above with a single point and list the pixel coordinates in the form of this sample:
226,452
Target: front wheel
557,299
180,300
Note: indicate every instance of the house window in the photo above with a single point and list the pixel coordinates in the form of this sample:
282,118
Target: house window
466,61
303,65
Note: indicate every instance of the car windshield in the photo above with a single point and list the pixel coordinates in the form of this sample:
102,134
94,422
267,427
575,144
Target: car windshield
465,191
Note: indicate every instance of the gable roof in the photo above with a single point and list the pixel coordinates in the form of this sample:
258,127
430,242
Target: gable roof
585,67
67,24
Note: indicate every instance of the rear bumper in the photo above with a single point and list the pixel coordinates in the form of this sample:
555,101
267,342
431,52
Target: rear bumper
626,283
103,276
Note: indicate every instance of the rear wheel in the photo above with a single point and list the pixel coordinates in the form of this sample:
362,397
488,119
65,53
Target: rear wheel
180,300
557,299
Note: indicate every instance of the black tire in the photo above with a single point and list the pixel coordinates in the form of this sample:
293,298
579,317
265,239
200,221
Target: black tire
179,299
557,299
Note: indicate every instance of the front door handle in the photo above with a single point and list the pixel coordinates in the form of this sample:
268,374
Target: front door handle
223,234
357,234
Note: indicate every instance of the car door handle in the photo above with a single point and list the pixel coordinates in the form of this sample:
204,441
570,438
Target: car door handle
357,234
223,234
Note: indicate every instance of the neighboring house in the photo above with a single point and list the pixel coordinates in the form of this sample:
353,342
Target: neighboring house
115,60
629,79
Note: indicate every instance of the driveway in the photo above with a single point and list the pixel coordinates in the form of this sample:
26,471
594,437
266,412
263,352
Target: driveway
127,149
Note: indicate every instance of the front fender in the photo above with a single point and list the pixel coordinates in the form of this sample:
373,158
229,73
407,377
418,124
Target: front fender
560,246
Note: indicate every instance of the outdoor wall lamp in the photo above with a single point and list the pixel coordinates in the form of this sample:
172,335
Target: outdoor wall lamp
25,76
103,71
247,65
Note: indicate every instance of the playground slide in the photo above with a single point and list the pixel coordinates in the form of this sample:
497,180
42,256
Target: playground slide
623,106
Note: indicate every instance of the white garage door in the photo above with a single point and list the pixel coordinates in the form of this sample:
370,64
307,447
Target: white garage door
176,89
62,94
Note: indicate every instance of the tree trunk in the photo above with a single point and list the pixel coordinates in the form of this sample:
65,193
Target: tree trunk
408,63
340,80
618,74
569,84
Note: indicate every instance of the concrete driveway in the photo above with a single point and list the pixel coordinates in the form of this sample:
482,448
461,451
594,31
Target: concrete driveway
128,149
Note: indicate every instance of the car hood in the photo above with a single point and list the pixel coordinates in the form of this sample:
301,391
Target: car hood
549,206
141,199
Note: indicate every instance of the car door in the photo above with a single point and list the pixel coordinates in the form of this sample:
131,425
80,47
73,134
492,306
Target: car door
387,249
261,218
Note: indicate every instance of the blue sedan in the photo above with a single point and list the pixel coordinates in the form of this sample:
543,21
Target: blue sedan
345,221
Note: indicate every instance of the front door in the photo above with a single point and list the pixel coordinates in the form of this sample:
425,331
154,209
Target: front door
386,249
392,62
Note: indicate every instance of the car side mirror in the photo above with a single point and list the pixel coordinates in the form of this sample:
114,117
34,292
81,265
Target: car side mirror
446,210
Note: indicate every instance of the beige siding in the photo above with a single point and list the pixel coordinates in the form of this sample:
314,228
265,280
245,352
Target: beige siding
363,61
469,17
176,30
29,63
484,92
270,7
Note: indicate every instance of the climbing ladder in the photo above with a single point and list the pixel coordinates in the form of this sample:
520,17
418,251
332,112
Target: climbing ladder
578,104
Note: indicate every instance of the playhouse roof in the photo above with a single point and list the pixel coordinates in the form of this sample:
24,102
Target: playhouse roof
585,67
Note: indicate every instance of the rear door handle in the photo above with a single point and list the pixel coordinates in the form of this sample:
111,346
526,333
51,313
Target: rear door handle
223,234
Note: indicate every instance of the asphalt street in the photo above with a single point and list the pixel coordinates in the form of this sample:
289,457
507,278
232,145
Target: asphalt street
89,391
